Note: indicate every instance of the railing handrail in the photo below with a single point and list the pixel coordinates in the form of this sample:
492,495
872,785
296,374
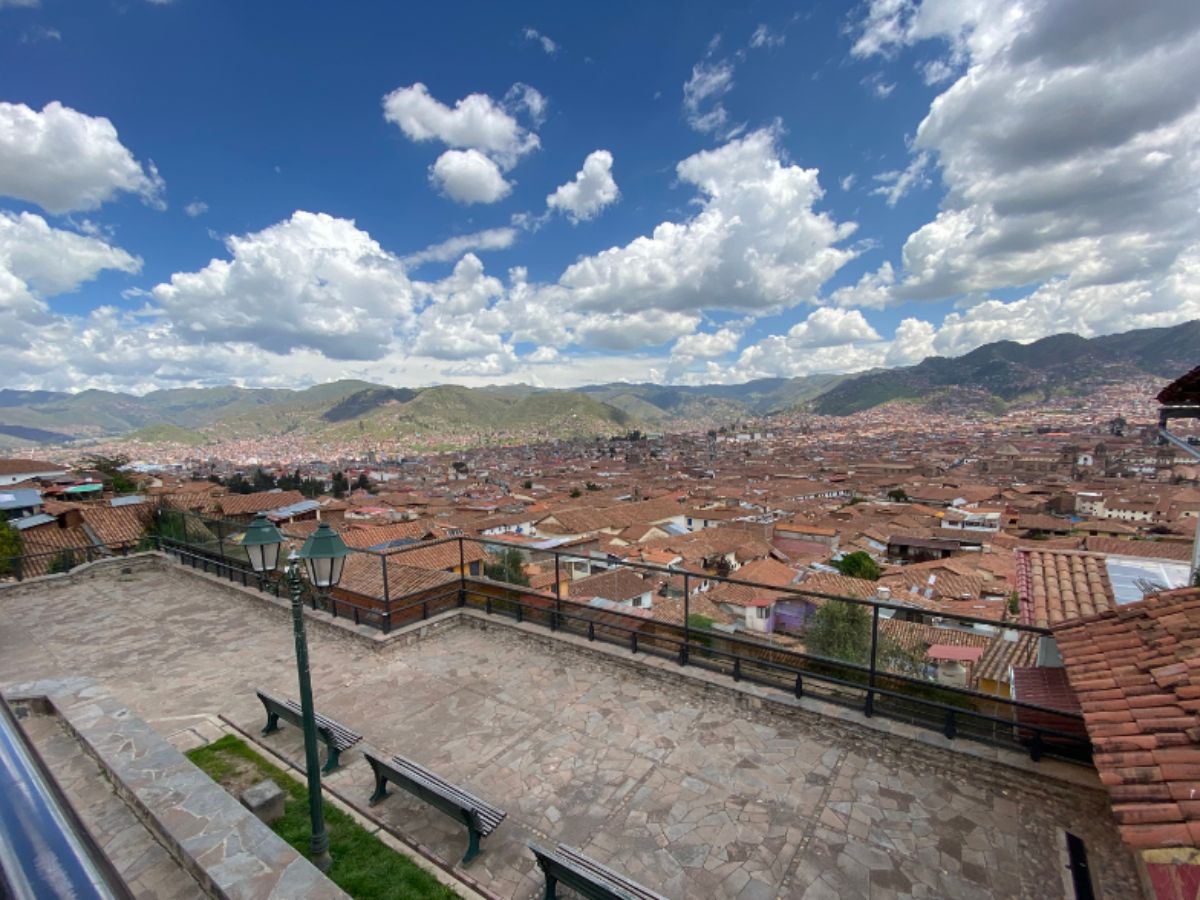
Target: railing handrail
823,677
727,579
741,649
45,850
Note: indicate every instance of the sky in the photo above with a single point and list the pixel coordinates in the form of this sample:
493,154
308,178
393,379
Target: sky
204,192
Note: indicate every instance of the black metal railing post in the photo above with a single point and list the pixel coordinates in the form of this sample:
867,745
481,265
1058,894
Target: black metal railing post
869,706
462,575
557,579
685,647
221,538
387,597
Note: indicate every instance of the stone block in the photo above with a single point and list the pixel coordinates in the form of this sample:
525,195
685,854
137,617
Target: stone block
265,800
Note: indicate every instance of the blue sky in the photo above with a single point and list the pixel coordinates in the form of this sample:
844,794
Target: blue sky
257,193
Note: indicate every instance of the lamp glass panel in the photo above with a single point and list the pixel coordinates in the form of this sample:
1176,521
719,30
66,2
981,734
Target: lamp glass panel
319,570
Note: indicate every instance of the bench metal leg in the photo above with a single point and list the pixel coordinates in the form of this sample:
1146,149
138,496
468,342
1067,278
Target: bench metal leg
332,760
381,791
472,846
551,887
272,723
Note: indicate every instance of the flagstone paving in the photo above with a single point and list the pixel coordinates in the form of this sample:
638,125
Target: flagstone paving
674,786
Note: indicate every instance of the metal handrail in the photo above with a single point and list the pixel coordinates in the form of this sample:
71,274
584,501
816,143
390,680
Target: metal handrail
45,851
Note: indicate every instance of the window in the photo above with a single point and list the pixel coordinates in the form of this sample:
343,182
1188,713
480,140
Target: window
762,611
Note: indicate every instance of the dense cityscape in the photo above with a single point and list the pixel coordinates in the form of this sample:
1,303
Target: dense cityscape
510,451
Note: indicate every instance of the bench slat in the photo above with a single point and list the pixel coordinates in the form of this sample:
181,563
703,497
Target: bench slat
576,870
345,737
481,818
411,768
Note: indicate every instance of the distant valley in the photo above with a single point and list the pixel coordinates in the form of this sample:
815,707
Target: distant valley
987,379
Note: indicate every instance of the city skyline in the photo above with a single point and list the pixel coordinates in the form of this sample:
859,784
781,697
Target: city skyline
532,196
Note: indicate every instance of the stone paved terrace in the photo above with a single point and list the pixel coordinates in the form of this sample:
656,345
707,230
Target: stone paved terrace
679,787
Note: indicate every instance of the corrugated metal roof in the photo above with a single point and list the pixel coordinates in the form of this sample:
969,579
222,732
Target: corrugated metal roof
294,509
30,521
20,498
127,500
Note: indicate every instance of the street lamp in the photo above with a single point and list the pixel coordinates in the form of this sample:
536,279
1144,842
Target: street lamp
323,555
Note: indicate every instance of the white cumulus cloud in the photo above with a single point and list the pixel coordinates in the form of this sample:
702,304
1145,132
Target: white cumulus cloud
312,281
756,242
592,189
476,122
468,176
66,161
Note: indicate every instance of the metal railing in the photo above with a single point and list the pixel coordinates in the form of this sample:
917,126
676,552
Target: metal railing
62,559
868,684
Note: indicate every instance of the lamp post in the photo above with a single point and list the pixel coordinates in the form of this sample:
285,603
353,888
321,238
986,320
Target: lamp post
323,555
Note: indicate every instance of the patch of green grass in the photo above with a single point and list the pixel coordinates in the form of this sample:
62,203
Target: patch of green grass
363,866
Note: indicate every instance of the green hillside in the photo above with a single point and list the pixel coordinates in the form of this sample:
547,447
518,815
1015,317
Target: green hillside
985,380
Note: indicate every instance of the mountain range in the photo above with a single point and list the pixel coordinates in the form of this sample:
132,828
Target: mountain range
988,379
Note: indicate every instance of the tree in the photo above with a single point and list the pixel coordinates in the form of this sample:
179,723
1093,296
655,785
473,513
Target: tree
237,484
592,486
528,484
858,565
111,468
508,566
341,484
261,480
362,483
898,495
840,630
576,492
10,547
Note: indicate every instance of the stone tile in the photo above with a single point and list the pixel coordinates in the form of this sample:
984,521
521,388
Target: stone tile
672,783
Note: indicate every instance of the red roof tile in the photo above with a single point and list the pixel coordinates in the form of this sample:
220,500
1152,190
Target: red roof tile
1137,673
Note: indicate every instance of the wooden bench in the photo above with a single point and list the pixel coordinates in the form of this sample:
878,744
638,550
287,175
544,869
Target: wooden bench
335,737
586,876
480,817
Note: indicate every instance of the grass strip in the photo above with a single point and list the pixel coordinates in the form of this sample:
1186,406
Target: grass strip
363,866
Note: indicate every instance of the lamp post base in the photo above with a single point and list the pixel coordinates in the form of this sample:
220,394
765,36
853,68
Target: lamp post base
318,853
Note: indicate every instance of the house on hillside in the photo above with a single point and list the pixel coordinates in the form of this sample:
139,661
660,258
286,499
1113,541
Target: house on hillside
14,471
622,587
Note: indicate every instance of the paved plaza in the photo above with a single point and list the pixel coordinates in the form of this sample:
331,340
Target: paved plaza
680,788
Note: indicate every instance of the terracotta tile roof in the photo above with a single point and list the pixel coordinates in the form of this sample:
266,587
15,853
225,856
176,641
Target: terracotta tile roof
118,524
439,556
1137,673
1001,656
1177,551
917,637
617,585
374,536
260,501
363,575
1061,585
839,585
768,571
28,467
